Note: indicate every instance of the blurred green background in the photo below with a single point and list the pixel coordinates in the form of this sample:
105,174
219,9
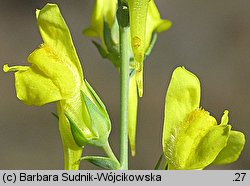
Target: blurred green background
210,38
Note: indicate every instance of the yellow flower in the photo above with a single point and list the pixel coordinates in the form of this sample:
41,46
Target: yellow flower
192,139
55,75
104,10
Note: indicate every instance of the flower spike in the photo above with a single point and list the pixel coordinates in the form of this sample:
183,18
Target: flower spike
106,27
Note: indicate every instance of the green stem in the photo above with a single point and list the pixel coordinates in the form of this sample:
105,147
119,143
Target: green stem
119,3
124,87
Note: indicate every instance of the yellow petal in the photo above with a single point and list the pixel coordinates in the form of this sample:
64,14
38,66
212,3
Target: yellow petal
103,10
33,87
154,23
56,36
183,97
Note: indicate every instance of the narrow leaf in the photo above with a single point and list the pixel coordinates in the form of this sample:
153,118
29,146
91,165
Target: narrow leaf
100,49
55,115
158,163
111,45
102,162
113,57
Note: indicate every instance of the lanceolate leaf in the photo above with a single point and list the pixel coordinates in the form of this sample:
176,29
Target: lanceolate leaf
102,162
100,49
55,115
110,44
158,164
